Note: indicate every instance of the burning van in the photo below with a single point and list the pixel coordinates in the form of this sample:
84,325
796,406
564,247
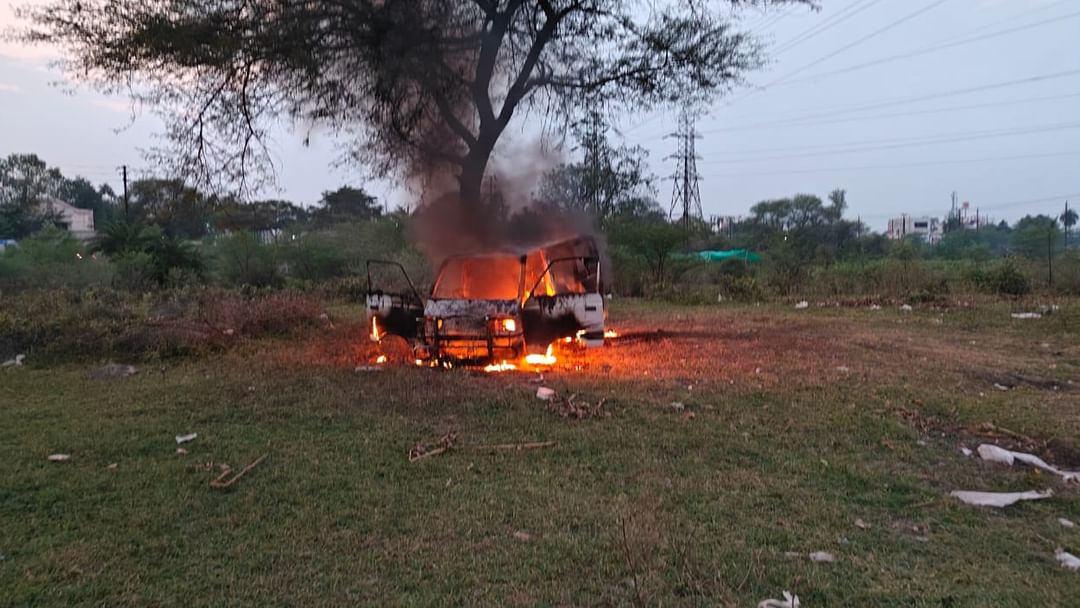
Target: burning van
496,306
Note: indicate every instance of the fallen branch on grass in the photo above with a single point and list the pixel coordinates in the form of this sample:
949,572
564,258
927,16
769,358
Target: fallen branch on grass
447,442
534,445
221,482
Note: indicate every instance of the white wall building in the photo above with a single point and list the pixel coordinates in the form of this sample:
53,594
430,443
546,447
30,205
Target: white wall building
79,222
929,228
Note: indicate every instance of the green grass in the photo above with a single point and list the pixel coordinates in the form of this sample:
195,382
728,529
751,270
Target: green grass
780,457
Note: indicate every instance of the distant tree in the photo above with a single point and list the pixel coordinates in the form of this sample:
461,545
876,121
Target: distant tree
1032,235
423,83
838,200
653,240
178,209
608,180
346,204
235,216
25,182
1068,220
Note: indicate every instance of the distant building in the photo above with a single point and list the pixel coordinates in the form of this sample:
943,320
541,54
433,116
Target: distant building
78,222
971,220
906,225
724,223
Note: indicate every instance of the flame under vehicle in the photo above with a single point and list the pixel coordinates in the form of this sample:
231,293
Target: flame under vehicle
496,306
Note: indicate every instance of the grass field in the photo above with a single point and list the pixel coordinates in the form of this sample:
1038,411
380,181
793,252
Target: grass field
795,424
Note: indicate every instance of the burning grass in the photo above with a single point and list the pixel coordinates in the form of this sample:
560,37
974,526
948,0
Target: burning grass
818,430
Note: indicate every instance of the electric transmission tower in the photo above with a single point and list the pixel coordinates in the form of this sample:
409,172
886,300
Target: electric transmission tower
685,194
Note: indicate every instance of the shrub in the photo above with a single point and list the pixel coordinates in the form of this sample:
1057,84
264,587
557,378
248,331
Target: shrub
240,259
1003,278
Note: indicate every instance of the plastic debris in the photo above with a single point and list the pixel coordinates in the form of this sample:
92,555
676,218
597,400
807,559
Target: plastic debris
181,451
1066,523
875,307
112,466
16,362
995,454
186,438
802,305
59,457
678,406
1067,559
544,393
1000,387
862,525
906,308
114,370
966,451
789,601
998,499
1026,315
822,556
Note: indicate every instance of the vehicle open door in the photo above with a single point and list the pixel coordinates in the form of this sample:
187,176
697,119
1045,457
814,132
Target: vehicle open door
395,309
565,300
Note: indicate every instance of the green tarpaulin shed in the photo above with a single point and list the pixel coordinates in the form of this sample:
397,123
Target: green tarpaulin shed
730,254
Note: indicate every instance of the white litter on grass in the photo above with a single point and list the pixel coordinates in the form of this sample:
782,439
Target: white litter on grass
875,307
16,362
966,452
802,305
678,406
995,454
59,457
1067,559
1000,387
862,525
1026,315
998,499
789,601
906,308
186,438
822,556
1066,523
545,393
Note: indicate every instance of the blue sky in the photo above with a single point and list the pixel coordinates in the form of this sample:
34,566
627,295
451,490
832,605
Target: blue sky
995,116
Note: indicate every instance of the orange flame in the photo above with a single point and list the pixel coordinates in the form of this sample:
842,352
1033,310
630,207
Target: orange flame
375,329
504,366
545,359
611,333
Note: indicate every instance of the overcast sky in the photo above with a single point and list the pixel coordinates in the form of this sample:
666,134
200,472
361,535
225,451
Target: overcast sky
977,96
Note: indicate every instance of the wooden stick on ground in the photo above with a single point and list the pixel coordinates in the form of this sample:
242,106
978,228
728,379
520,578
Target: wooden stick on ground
516,446
221,482
414,456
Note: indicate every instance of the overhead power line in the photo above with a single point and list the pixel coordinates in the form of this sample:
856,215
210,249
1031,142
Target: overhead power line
929,49
870,146
850,46
803,123
940,95
843,15
991,207
935,163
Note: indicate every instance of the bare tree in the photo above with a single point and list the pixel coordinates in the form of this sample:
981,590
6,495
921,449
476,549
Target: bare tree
419,84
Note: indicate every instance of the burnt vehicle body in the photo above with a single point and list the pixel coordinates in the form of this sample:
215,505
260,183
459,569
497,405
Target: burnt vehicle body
497,305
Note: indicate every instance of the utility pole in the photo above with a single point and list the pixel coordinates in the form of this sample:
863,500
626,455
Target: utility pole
1050,255
123,170
685,194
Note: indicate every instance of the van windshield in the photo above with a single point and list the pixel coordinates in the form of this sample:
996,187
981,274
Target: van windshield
493,277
